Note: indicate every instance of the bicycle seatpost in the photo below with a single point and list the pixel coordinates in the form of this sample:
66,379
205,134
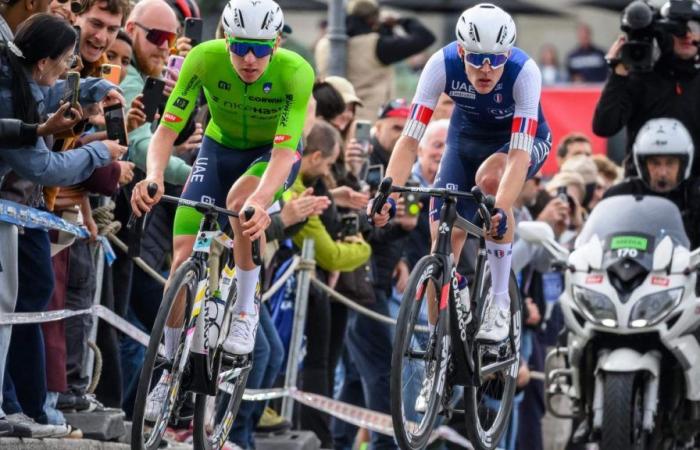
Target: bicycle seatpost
382,195
257,260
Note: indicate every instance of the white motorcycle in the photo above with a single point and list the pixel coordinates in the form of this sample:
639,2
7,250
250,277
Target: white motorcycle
632,352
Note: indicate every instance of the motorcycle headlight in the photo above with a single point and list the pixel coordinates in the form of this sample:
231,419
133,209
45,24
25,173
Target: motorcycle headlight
597,307
651,309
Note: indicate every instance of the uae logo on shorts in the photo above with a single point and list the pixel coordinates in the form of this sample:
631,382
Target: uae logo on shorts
498,98
267,87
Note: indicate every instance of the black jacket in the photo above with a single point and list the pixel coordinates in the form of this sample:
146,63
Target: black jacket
686,197
671,90
15,133
387,242
391,47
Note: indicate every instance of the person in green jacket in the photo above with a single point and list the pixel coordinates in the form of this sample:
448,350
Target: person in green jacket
321,151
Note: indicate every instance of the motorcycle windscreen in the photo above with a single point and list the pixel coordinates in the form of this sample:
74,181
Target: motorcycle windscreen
634,222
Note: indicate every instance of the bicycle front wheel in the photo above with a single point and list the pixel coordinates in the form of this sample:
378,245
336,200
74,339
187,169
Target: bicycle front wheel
417,354
214,414
488,405
157,408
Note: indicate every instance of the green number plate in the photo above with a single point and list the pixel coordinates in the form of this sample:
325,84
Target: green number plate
636,242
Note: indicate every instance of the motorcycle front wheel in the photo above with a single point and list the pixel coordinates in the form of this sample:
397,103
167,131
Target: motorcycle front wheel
623,412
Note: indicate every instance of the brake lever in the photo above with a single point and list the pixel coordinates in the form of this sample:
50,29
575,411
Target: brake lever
135,227
257,260
382,195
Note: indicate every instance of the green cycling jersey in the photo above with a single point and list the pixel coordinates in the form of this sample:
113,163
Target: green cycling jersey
243,116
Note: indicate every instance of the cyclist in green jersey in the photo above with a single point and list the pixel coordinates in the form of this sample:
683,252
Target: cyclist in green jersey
257,95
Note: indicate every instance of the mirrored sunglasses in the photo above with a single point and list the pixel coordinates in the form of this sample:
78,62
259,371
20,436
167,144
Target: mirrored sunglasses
242,47
477,60
158,37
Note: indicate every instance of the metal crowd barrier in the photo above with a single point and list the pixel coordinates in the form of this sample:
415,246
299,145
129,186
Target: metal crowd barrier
305,265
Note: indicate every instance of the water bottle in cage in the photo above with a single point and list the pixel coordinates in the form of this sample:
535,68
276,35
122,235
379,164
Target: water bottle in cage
198,344
464,300
215,307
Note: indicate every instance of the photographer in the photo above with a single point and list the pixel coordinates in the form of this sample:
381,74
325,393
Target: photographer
640,87
375,43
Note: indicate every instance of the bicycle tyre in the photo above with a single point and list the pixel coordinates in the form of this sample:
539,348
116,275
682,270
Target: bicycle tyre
425,270
488,437
202,439
187,275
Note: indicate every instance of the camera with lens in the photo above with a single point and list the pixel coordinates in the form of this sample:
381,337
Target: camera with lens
649,25
350,225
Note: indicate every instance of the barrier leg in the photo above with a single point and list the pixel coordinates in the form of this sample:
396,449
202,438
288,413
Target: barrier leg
89,357
307,266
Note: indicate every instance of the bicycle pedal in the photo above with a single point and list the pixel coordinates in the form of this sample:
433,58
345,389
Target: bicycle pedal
231,360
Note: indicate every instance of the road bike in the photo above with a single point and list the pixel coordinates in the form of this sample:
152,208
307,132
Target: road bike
486,372
199,365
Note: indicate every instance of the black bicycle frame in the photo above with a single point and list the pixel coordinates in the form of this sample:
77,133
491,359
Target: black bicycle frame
466,367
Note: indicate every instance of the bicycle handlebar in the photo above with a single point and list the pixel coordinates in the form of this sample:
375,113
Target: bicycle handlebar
485,203
206,208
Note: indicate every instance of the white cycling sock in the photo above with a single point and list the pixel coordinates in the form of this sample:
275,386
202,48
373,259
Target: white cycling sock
172,339
499,256
246,283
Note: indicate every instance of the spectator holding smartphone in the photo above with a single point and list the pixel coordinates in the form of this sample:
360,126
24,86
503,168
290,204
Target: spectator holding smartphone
40,53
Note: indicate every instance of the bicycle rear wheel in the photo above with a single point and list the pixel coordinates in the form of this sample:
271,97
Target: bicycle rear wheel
488,406
184,282
415,353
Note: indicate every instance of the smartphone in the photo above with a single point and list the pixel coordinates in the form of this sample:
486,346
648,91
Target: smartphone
350,224
111,73
71,92
362,134
193,30
174,65
116,128
374,176
411,199
152,97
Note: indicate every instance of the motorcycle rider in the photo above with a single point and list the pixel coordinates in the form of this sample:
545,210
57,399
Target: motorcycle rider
663,156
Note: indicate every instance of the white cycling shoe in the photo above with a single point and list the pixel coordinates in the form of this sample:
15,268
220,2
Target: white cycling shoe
156,398
495,322
241,336
421,405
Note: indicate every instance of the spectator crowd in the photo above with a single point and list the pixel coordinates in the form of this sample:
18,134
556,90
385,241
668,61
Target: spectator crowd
56,156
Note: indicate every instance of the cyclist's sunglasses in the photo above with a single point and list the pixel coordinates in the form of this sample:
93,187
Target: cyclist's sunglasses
241,47
477,60
157,37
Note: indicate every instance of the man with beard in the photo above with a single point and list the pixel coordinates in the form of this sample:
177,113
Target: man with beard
663,156
152,27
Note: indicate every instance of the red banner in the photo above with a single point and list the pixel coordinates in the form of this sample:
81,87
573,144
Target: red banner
569,110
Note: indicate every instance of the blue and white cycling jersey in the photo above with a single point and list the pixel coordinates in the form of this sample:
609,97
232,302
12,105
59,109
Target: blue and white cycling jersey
511,113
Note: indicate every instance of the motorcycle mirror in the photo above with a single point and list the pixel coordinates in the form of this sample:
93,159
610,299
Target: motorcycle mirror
663,254
535,232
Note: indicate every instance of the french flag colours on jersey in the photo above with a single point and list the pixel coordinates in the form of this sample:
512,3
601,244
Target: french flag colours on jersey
417,121
523,133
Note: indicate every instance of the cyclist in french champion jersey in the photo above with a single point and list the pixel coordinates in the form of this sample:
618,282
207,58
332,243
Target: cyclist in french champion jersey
257,95
497,137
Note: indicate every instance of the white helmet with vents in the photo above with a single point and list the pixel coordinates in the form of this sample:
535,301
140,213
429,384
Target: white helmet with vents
252,19
486,28
663,137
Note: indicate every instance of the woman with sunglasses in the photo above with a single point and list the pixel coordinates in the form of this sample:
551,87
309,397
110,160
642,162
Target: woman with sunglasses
257,95
497,137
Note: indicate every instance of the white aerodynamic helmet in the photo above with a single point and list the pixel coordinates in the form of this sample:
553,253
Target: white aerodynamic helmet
486,28
663,137
252,19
